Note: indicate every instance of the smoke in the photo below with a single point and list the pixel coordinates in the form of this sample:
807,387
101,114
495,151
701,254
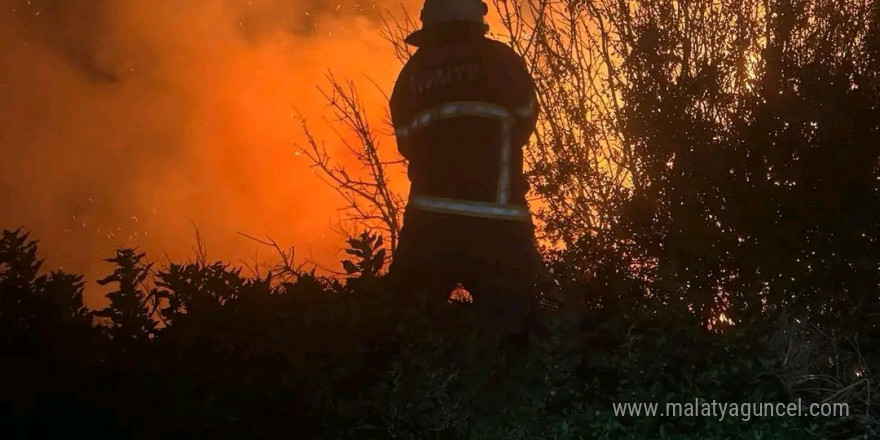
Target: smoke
126,122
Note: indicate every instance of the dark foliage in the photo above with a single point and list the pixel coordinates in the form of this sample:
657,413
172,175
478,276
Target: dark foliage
235,357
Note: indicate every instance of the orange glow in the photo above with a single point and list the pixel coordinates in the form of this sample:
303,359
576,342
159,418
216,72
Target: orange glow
125,122
460,294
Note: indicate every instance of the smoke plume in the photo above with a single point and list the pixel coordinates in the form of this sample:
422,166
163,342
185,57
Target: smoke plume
126,122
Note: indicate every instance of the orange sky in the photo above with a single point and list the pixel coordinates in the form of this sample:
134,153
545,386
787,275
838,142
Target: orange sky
123,122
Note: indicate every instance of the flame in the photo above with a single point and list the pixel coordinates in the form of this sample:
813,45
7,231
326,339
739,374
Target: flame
126,122
460,294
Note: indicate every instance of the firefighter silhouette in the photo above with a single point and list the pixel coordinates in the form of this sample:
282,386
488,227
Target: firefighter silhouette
463,107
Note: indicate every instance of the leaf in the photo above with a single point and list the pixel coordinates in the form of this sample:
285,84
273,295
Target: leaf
350,267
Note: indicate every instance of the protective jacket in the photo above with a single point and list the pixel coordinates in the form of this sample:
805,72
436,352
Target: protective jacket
463,107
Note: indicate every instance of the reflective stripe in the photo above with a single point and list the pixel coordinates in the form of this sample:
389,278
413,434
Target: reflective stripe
454,109
503,191
470,208
500,209
465,108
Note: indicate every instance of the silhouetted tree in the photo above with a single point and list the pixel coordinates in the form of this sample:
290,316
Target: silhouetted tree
197,289
37,311
132,306
722,151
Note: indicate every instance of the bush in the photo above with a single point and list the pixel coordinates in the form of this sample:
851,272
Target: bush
228,356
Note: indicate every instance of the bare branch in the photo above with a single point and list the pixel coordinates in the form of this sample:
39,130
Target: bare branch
369,200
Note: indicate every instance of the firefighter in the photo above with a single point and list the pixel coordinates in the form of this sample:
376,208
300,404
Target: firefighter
463,107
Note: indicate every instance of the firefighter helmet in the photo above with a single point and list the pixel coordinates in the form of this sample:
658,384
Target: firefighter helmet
439,12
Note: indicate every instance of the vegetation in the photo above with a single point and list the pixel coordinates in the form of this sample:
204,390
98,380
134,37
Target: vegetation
708,175
229,356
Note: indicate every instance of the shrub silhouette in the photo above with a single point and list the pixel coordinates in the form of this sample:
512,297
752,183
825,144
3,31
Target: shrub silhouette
129,313
38,311
229,356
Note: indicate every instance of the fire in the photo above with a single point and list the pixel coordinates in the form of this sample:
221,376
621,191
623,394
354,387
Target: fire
126,123
460,294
